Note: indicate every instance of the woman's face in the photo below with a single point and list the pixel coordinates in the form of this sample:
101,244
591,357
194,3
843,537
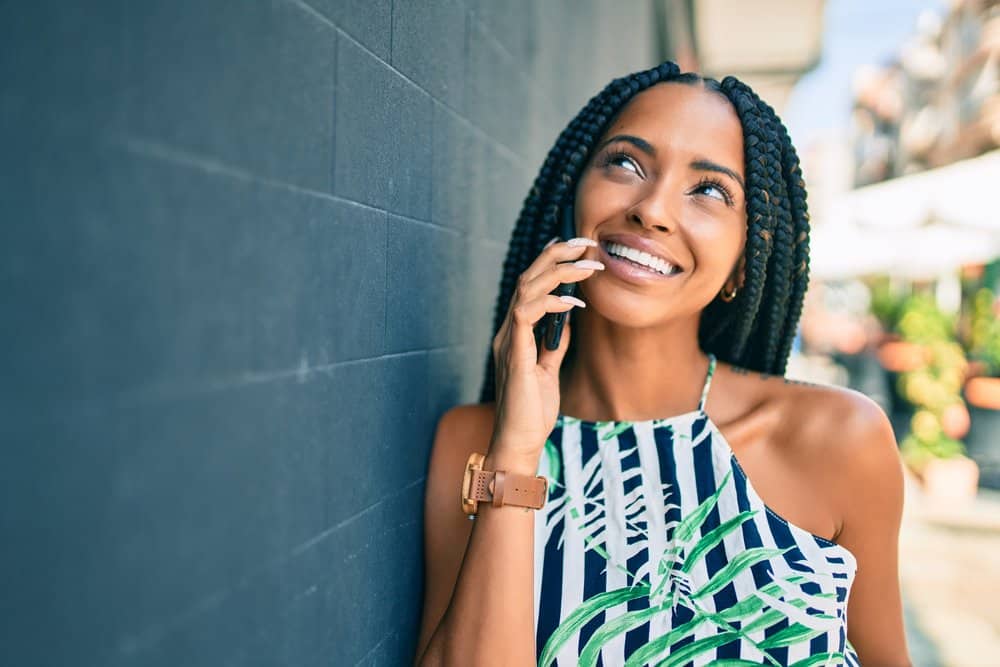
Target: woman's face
676,182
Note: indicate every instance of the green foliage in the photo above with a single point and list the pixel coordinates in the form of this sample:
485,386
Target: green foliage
934,386
885,305
921,321
984,344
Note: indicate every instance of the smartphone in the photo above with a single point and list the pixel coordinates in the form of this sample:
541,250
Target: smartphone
553,322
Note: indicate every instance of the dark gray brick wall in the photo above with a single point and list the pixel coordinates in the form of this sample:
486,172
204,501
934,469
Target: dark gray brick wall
250,253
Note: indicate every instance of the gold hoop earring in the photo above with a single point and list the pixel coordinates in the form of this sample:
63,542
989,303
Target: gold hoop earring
727,297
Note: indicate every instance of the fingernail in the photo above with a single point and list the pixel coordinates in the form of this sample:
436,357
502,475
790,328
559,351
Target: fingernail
588,264
553,240
582,240
573,300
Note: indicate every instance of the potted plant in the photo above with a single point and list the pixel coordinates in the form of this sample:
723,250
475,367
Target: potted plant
894,354
933,448
982,385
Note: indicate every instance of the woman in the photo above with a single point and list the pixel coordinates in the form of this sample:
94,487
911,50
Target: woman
755,523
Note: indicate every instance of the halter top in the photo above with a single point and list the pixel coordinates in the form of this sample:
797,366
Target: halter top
653,548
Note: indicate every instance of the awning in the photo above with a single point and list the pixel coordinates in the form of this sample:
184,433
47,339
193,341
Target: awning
915,226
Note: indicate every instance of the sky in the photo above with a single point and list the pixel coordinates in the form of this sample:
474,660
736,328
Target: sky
855,32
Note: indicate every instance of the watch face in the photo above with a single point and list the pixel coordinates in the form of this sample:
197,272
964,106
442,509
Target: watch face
475,462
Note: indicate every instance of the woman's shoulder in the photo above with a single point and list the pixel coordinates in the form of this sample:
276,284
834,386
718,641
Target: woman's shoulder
470,424
834,416
827,426
849,438
837,439
805,410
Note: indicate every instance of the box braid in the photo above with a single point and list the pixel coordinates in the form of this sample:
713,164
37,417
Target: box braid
754,330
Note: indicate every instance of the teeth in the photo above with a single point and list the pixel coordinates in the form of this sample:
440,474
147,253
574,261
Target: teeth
640,257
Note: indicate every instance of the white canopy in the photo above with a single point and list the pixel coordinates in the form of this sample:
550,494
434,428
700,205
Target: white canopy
916,226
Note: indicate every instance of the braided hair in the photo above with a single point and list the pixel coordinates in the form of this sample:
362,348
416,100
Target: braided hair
755,329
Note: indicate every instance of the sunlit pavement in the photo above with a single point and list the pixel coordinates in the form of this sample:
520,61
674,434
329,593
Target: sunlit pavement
950,578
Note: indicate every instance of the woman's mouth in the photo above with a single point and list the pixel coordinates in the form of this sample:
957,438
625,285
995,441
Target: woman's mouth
632,271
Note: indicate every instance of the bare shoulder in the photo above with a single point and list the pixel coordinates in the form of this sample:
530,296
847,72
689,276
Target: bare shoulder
460,431
811,440
843,423
472,420
827,419
856,459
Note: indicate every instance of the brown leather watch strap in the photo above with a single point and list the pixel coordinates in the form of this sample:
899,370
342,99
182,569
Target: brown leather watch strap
504,488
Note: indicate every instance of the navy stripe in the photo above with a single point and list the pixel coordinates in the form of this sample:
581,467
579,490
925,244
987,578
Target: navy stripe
715,558
783,538
550,596
818,644
638,636
751,536
594,565
668,474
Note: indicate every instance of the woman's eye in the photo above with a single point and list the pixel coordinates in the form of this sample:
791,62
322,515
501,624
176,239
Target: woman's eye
621,158
713,191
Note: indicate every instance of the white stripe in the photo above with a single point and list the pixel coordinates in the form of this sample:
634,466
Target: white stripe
733,542
656,510
814,558
573,545
684,459
615,536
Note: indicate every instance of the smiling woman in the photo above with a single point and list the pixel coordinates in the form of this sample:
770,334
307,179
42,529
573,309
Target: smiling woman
667,535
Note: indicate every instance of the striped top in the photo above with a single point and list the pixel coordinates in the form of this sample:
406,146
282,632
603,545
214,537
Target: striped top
654,548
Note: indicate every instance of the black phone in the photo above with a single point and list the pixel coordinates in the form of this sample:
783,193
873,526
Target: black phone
554,322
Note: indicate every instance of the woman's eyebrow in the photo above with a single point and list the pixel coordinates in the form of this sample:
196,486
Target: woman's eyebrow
638,142
708,165
649,149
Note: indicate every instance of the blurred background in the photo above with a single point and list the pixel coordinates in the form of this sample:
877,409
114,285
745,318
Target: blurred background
251,250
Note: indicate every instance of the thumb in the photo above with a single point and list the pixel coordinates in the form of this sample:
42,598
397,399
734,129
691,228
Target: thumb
551,360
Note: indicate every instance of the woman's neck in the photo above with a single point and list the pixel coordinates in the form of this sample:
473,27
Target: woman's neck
600,384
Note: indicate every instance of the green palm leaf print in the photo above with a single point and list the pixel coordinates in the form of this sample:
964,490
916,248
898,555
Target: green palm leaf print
741,562
579,617
819,659
668,584
616,626
691,524
714,537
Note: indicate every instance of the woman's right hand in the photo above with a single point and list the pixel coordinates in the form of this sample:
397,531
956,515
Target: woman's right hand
527,381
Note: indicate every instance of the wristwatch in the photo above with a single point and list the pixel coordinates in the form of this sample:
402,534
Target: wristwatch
500,487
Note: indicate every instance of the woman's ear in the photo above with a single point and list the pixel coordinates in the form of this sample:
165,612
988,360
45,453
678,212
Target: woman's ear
740,272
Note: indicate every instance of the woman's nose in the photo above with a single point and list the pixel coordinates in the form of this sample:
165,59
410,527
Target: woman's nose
657,210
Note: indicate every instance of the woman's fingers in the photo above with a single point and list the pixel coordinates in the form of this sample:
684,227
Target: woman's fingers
560,251
565,272
533,297
525,315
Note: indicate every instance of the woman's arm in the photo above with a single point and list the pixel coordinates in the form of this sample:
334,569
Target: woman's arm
479,578
871,497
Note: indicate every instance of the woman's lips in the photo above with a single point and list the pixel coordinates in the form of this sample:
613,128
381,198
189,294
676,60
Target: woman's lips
631,272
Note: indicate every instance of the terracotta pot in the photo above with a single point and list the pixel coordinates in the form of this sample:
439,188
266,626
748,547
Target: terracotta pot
955,421
983,392
952,481
900,356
